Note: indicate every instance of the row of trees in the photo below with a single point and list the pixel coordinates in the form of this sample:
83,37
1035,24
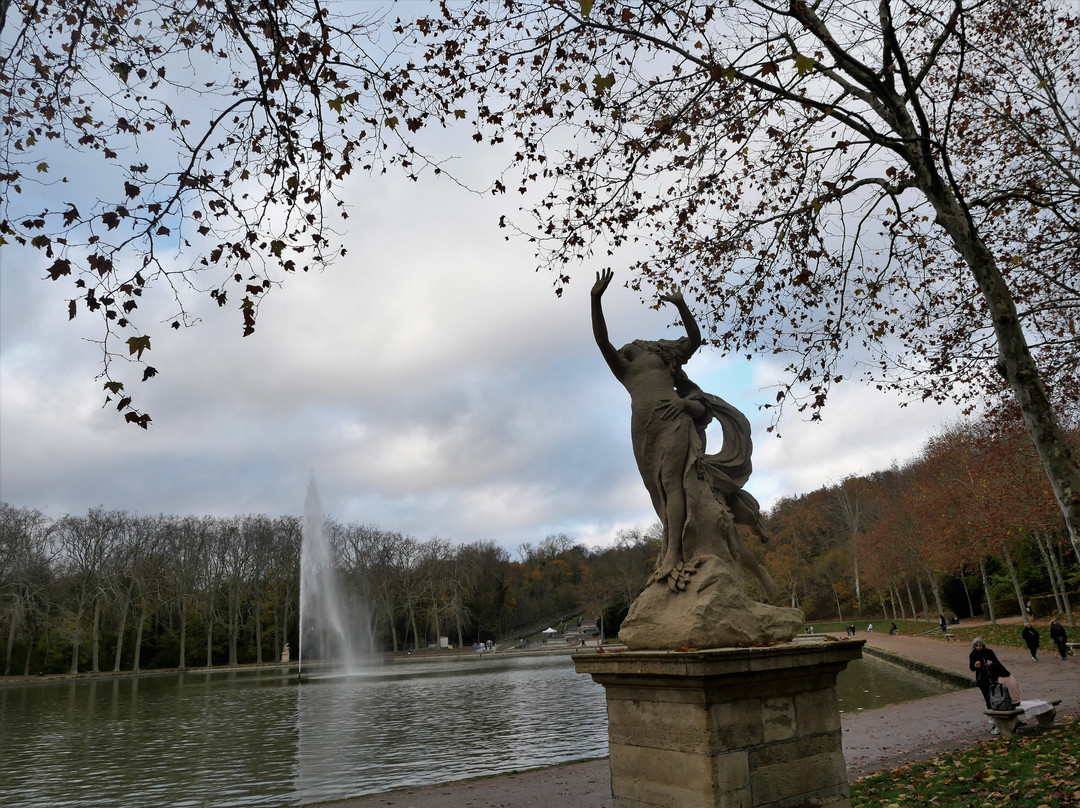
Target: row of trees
115,590
968,526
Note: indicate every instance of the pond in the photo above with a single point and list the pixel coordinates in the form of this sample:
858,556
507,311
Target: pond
257,738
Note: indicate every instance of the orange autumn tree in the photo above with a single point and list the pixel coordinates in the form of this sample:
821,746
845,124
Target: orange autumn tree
891,543
801,532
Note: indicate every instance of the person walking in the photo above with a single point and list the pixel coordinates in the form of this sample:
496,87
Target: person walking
1057,634
1030,634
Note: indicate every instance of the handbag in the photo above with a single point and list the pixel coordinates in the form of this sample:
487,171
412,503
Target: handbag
998,697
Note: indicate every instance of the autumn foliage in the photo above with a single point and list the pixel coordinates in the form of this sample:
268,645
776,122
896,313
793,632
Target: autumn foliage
967,510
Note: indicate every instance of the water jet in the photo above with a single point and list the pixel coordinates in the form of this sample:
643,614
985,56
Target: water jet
326,633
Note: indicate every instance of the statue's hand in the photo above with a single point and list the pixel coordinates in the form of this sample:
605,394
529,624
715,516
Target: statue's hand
674,297
672,408
602,281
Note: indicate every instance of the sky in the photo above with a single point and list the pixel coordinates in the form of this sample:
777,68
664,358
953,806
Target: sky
431,382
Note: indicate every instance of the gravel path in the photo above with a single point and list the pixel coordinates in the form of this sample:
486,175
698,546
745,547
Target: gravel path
874,740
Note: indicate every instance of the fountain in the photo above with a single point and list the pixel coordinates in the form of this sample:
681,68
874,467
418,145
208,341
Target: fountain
326,633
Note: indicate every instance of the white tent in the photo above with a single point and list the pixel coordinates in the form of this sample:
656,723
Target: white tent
549,630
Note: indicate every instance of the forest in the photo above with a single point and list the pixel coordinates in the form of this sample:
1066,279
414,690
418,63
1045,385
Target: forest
111,590
968,527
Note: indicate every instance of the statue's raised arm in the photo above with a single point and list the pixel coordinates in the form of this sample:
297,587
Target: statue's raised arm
693,333
611,355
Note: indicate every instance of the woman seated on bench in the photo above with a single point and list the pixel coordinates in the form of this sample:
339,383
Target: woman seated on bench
988,669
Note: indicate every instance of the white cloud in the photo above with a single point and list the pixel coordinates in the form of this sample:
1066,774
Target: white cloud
431,381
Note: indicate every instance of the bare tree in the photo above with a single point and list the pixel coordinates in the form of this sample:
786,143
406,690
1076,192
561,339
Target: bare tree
26,552
850,502
86,543
880,189
217,133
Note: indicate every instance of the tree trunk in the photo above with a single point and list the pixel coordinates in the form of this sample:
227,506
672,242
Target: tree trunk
967,592
1037,537
416,636
986,591
1015,361
911,600
95,637
258,631
388,613
183,633
234,621
285,621
120,635
139,636
881,599
372,624
76,639
276,608
896,602
1055,561
1015,581
936,591
11,645
209,639
855,563
922,596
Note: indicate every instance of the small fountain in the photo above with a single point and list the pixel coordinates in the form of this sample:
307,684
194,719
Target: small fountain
325,631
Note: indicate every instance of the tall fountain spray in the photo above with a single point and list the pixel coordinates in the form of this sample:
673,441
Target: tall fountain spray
325,630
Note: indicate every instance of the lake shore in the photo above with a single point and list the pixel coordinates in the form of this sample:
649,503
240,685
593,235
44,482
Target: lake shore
292,668
874,740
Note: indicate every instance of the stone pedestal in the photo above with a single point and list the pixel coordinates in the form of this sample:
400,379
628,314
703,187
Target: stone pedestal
726,728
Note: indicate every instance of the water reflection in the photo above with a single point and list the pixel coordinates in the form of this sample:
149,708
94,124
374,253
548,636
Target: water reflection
403,725
867,683
256,738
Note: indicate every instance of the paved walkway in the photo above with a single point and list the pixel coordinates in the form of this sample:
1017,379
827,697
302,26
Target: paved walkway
874,740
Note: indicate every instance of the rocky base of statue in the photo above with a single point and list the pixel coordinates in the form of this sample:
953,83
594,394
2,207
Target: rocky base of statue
712,612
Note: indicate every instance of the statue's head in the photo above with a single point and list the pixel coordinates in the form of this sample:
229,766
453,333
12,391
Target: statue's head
635,349
666,349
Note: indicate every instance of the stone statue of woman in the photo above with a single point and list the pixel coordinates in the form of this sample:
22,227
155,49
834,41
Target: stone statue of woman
698,497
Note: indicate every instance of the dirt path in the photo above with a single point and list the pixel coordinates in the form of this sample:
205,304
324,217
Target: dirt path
874,740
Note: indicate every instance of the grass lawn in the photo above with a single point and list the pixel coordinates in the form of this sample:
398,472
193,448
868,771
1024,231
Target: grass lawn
1039,768
1006,635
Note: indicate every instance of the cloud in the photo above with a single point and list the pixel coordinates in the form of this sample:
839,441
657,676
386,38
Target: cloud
431,381
862,430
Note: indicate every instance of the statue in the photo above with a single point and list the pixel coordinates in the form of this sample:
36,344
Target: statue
698,497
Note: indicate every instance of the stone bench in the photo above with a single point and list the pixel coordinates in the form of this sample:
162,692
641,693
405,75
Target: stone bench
949,637
1006,720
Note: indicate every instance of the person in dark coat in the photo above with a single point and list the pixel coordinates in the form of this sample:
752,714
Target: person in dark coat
986,666
941,621
1057,634
1031,637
